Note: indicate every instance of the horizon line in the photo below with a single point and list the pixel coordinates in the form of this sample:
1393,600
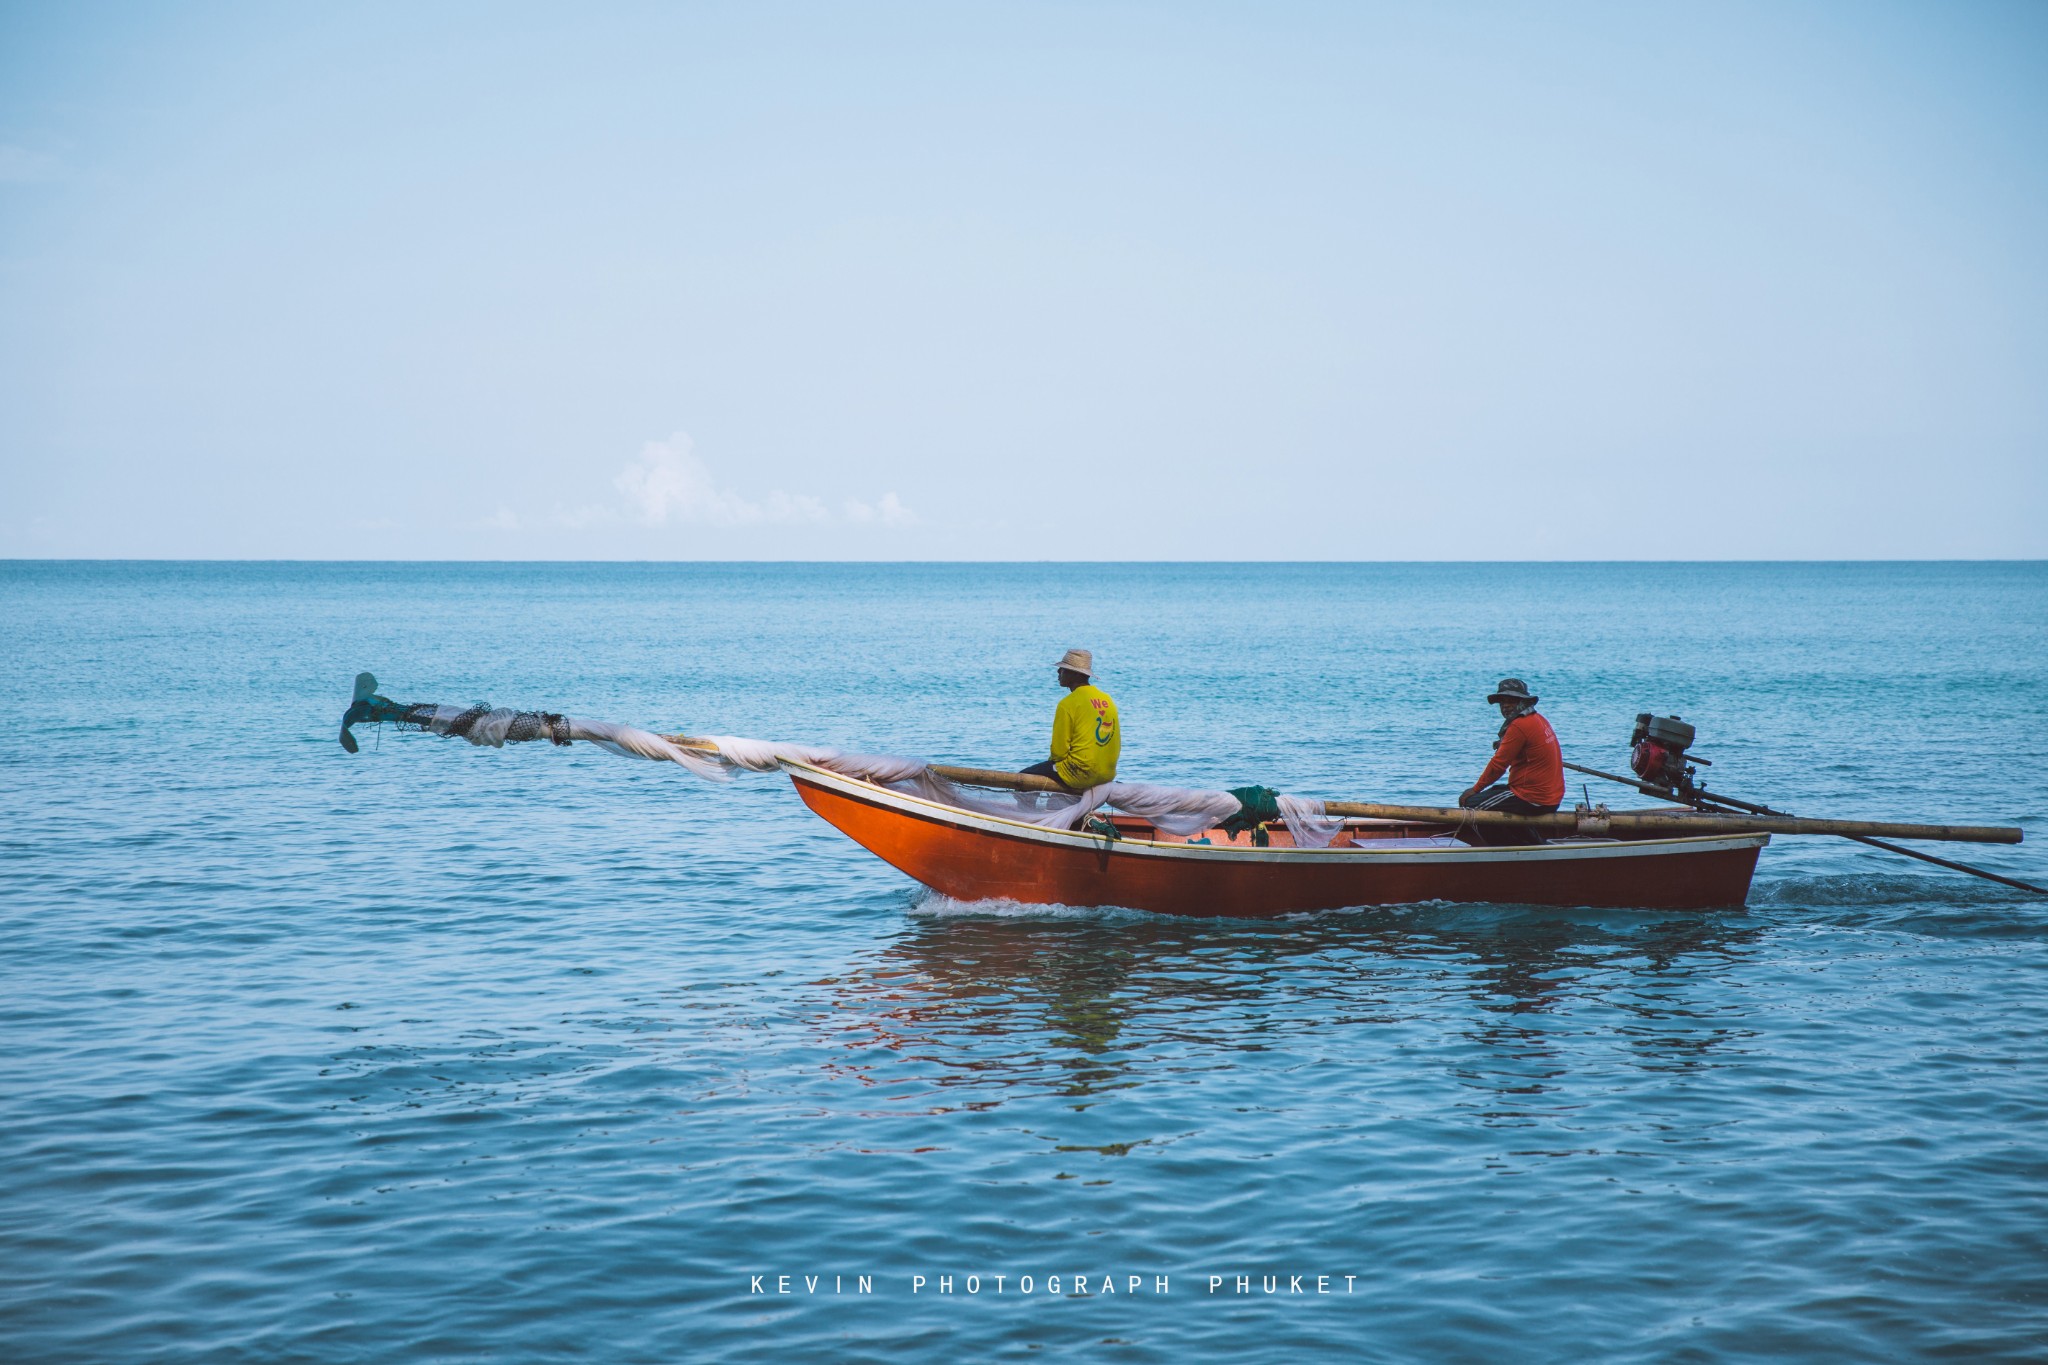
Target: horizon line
898,563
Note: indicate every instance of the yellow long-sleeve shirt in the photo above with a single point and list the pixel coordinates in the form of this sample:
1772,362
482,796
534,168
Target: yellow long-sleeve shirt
1086,738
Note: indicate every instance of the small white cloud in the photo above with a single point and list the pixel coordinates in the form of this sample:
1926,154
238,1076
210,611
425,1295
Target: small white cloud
670,482
890,511
894,513
504,519
20,166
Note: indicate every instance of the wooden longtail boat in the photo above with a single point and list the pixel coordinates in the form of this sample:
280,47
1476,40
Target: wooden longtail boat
1674,858
970,857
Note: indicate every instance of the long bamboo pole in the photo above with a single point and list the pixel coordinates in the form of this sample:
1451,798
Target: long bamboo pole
1687,822
1674,823
995,777
973,777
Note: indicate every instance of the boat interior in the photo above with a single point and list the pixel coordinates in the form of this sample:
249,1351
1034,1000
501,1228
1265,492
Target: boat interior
1355,834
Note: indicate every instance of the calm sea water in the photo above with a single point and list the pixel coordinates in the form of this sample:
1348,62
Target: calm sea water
442,1053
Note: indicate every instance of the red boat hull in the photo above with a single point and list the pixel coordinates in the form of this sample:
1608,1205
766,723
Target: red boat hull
972,857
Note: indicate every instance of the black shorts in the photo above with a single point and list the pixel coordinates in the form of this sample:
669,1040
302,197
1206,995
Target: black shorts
1047,768
1500,798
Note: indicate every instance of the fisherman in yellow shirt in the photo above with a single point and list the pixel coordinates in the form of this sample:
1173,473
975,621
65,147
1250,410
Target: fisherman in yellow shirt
1085,736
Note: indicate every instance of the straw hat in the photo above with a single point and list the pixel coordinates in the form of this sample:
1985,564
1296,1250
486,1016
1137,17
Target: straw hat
1079,661
1511,689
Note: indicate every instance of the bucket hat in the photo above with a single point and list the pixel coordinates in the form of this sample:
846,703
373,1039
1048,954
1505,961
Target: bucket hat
1079,661
1512,689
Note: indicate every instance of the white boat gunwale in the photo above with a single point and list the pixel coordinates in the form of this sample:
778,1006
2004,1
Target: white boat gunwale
1579,849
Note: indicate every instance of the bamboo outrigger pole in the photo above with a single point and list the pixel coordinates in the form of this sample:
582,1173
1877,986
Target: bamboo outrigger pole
1681,823
1670,823
1673,822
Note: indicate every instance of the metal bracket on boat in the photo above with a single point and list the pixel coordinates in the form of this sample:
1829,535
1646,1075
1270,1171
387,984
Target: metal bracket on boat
1592,820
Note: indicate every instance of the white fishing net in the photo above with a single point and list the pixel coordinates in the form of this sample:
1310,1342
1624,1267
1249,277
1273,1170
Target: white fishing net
1180,811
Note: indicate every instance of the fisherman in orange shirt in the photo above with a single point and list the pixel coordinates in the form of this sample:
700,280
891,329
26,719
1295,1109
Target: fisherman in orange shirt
1527,752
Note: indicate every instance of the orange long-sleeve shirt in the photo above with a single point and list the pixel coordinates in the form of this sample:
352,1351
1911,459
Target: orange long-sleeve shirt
1528,753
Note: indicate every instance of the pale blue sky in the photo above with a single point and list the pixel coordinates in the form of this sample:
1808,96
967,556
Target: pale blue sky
1123,281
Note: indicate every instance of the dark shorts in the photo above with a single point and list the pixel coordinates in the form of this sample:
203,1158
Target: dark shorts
1045,769
1502,799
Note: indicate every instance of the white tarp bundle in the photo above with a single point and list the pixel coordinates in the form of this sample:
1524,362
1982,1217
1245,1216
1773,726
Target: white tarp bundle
1181,811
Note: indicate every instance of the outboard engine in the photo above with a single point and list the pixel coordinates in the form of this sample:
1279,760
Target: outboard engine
1658,754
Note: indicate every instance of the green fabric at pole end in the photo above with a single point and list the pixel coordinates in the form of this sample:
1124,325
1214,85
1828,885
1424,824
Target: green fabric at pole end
1256,807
